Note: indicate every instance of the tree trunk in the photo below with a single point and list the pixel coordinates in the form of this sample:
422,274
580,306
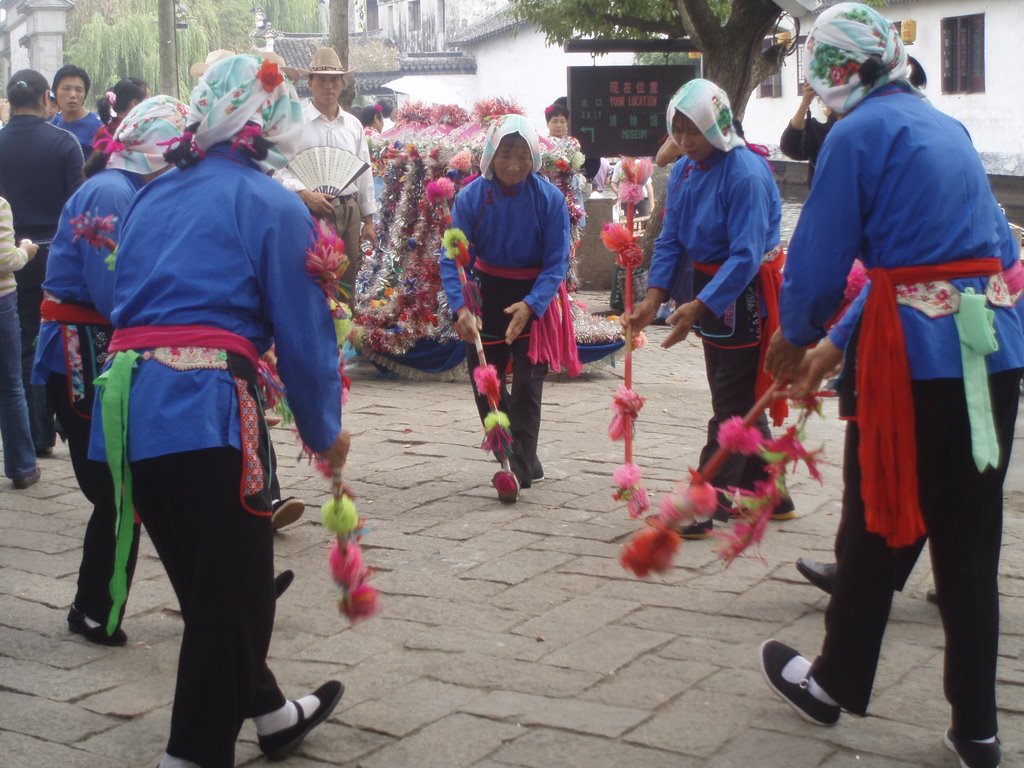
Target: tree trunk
167,48
339,29
732,51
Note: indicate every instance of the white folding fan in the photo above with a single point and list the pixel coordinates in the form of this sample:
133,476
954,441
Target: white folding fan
327,169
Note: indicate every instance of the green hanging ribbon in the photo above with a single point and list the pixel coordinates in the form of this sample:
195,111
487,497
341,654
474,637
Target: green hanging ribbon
113,387
975,323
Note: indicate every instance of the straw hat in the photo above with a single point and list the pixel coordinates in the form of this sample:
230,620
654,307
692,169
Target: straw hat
197,69
325,62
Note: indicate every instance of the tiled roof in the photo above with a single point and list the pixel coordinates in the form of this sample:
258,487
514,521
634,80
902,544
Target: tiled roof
297,50
502,21
454,63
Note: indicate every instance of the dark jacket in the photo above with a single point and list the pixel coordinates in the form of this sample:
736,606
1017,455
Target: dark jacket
40,166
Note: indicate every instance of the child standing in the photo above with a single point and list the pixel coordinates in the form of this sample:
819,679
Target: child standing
518,230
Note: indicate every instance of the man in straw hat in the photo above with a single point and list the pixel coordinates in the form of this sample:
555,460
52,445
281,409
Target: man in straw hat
326,124
199,68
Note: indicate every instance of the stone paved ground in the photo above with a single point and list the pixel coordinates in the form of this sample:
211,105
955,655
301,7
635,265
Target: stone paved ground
509,636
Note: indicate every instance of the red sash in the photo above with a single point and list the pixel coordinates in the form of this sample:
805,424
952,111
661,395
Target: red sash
770,283
885,405
58,312
147,337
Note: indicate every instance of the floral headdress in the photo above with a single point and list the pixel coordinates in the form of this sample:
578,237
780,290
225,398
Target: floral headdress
242,95
708,106
137,145
851,51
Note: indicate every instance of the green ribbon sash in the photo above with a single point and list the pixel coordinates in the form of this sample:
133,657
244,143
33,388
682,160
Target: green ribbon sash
975,323
113,387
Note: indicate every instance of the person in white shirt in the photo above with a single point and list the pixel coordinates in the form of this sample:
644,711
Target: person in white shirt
326,124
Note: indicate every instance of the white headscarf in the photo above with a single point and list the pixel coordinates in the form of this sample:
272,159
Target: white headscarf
708,106
503,126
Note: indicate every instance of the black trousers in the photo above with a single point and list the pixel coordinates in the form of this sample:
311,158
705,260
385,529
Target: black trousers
219,558
522,404
963,512
30,296
732,374
97,566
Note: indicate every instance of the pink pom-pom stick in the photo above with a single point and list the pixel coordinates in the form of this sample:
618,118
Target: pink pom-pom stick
488,384
625,407
442,189
736,437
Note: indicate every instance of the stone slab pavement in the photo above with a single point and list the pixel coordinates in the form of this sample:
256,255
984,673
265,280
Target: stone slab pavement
509,636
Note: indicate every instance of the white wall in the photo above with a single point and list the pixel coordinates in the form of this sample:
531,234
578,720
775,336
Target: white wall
525,68
994,118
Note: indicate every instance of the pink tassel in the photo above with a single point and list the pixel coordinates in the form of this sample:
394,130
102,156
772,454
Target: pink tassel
504,484
440,189
703,497
616,237
626,406
742,537
734,437
247,137
360,603
497,441
346,563
488,383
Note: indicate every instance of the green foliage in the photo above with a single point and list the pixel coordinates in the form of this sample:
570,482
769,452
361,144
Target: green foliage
562,20
112,39
292,15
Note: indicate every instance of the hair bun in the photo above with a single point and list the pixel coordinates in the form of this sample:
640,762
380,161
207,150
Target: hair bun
870,70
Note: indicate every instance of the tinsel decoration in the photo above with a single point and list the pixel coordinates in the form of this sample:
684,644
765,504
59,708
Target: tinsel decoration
399,298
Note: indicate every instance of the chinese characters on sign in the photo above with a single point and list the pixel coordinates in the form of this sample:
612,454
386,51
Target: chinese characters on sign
621,110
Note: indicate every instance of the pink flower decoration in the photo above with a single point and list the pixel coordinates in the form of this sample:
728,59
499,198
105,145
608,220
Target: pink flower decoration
462,161
675,509
346,563
626,407
742,536
734,437
702,497
360,603
488,385
855,281
630,192
440,189
627,475
639,502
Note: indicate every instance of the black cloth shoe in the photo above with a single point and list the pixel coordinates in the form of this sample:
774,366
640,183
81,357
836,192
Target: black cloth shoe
282,581
278,745
774,658
932,597
695,531
286,512
971,753
821,575
98,635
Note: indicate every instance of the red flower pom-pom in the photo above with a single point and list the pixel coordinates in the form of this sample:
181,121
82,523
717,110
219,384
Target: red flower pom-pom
650,550
269,75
